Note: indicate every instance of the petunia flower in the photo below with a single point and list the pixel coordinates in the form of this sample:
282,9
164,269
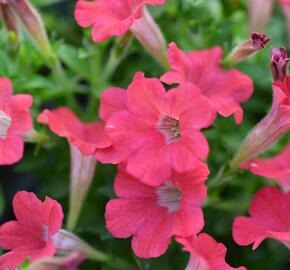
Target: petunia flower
86,141
153,215
15,121
224,89
205,253
277,167
69,262
270,128
269,218
116,17
31,235
159,131
36,233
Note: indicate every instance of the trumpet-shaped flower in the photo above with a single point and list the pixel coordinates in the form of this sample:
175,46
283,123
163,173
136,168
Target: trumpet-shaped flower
277,167
15,121
116,17
224,89
205,253
159,131
269,218
271,127
153,215
31,235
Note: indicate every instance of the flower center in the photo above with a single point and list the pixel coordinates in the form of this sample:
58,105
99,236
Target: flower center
169,127
5,123
169,196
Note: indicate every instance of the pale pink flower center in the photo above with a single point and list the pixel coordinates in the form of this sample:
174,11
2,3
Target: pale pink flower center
5,123
169,196
169,127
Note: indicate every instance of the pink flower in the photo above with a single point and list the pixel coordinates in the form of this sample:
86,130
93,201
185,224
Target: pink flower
160,131
277,167
270,128
31,235
152,215
224,89
116,17
269,218
15,121
110,17
206,253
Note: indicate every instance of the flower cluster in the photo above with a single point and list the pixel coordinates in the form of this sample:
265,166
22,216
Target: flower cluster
154,133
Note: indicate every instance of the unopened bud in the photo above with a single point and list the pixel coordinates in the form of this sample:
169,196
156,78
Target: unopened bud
279,63
259,14
9,19
249,47
33,23
69,262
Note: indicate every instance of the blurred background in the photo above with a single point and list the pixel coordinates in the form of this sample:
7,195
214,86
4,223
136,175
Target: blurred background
192,24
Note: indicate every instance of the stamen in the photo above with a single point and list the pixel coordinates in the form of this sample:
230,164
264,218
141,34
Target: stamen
169,196
5,123
169,127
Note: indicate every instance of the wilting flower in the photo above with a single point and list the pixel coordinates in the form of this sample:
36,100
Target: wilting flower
279,63
249,47
153,215
116,17
160,131
269,218
86,140
32,22
259,14
224,89
9,17
31,235
15,121
69,262
277,167
206,253
271,127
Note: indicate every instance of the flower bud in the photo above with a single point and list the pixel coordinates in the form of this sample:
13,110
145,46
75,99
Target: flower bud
150,36
69,262
271,127
33,23
249,47
279,63
259,13
67,243
9,18
82,173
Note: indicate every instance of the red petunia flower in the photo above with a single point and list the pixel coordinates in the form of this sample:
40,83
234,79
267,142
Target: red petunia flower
116,17
15,121
277,167
160,131
110,17
31,235
269,218
270,128
206,253
152,215
224,89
